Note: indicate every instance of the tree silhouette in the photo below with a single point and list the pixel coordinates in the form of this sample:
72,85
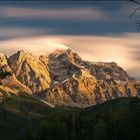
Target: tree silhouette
137,3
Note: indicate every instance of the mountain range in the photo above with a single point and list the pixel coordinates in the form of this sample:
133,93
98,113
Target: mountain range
62,78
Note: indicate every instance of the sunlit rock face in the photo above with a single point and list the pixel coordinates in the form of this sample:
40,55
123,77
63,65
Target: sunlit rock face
4,68
62,65
81,83
63,78
30,71
8,80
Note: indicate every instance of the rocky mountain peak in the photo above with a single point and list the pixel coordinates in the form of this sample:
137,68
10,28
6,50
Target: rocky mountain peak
4,68
30,70
20,53
73,56
64,78
3,59
8,80
65,55
63,64
20,56
85,83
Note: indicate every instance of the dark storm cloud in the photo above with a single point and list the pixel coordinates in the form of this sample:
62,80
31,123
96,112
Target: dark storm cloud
68,18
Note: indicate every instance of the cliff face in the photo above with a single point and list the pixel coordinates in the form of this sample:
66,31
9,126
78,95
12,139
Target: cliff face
63,78
8,81
30,71
62,65
81,83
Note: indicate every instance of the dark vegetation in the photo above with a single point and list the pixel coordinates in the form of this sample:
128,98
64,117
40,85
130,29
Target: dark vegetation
25,117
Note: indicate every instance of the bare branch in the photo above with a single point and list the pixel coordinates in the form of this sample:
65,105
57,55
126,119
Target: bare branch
134,11
135,1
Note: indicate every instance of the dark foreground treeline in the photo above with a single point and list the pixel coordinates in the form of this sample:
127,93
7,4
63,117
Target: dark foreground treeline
113,120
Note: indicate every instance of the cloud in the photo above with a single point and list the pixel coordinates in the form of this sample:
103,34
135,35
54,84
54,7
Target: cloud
15,32
37,45
122,49
69,20
76,13
91,13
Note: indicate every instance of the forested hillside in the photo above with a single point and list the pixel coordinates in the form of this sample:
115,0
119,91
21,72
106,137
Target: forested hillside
24,117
